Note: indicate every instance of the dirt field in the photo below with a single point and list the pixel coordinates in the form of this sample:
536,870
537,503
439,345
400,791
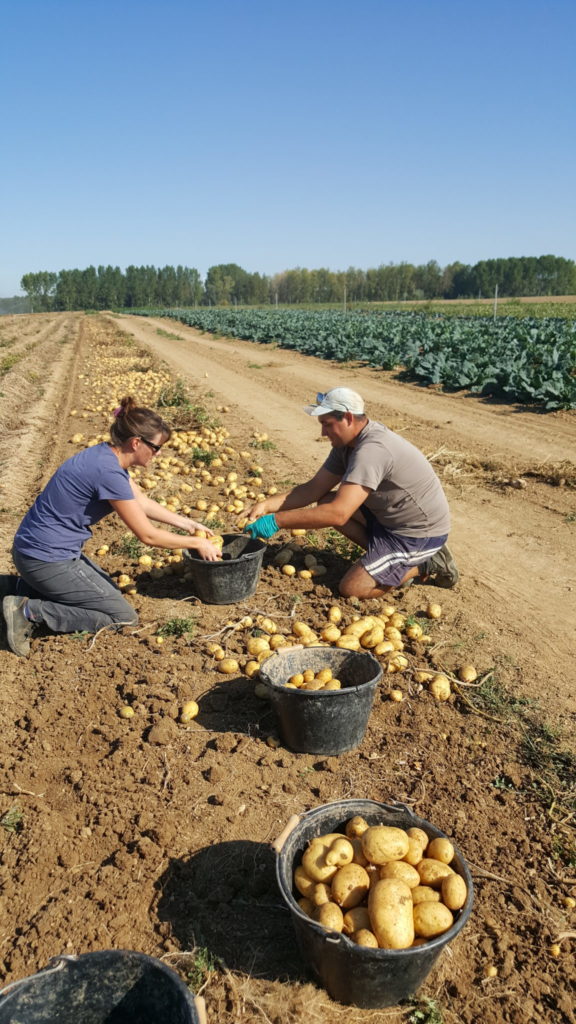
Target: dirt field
151,835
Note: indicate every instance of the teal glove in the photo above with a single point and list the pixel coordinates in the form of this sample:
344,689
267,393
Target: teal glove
264,527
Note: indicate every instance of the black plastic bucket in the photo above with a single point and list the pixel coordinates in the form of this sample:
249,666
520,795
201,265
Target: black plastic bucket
234,578
322,721
108,987
369,978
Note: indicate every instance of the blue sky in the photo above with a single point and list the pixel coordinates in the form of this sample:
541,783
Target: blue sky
310,133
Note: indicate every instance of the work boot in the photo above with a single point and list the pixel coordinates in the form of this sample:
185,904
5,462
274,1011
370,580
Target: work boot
441,570
18,628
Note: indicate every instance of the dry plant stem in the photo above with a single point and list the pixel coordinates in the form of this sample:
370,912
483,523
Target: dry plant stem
474,710
482,873
565,935
113,625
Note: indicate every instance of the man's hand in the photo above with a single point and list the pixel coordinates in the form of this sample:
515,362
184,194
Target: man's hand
257,510
262,528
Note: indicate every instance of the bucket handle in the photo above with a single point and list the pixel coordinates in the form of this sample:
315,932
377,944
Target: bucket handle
288,828
200,1004
54,965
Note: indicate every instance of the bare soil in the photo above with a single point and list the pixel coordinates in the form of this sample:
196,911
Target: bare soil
151,835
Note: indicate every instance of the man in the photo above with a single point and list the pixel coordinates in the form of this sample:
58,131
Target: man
379,491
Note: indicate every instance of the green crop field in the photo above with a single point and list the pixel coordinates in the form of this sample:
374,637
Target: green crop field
528,359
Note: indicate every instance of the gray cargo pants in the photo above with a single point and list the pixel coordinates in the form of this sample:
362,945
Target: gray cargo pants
73,595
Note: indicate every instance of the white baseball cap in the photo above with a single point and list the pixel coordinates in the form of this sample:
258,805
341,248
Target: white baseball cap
336,400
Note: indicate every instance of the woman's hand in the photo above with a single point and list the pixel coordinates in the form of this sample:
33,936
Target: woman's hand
191,525
207,550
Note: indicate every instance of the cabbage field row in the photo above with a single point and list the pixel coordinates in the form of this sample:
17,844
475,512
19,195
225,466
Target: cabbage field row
522,360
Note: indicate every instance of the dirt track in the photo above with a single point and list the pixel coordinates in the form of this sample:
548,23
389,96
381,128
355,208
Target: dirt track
151,835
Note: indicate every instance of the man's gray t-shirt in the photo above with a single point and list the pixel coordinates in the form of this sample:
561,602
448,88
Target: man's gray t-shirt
406,495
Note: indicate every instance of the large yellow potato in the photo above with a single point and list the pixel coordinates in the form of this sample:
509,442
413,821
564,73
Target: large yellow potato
314,859
340,853
391,913
420,835
330,916
440,849
382,843
431,919
423,893
304,883
355,919
454,892
364,937
350,885
356,826
400,869
432,871
415,852
320,894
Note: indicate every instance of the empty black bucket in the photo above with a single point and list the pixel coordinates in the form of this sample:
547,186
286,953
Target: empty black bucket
109,987
234,578
369,978
322,721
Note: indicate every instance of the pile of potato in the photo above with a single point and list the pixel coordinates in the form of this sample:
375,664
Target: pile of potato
382,886
311,680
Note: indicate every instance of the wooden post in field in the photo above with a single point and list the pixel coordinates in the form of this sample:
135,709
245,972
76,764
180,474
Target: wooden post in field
495,300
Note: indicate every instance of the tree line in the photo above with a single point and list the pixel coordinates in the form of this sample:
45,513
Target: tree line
228,284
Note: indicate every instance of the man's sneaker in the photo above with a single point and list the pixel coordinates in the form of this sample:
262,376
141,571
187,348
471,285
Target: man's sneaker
18,628
441,570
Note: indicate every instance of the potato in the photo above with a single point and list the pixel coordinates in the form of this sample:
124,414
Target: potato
454,891
297,679
423,893
320,894
340,853
330,916
355,919
439,687
303,882
350,885
228,666
314,859
359,626
440,849
432,872
314,684
364,937
358,857
335,614
382,843
431,919
324,675
391,913
306,906
415,852
371,637
400,869
347,642
332,684
356,826
330,633
420,835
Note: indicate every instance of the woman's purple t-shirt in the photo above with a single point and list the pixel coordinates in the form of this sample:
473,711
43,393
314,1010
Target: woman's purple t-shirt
76,497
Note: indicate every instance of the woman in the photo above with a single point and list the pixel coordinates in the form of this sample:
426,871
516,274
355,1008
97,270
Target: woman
57,584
